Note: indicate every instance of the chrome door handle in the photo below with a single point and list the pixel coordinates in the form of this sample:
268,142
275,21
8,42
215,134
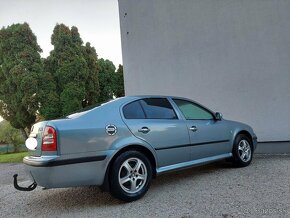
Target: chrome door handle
144,129
193,128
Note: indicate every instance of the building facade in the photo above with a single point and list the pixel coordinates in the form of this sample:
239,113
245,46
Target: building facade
233,56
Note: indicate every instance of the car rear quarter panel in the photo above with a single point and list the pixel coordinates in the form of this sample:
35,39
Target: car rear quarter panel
87,134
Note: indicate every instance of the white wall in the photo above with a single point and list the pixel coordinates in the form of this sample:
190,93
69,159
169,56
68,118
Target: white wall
230,55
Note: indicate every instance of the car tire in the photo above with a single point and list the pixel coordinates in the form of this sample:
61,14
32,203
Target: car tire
130,176
242,151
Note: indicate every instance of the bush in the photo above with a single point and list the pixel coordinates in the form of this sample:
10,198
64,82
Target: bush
10,135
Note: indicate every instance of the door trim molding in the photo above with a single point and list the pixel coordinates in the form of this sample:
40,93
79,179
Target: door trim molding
193,144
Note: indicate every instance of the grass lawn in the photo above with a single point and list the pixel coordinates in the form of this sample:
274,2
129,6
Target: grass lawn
13,157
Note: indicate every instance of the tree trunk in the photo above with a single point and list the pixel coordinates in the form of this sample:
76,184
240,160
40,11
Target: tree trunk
24,134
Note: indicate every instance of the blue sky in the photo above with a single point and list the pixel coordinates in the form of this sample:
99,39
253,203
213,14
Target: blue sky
97,21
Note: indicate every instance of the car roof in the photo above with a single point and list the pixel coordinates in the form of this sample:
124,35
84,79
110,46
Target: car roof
117,102
156,96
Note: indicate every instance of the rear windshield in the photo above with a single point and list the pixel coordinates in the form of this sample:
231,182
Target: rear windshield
85,110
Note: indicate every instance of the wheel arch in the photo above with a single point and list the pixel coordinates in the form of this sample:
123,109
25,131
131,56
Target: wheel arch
246,133
144,150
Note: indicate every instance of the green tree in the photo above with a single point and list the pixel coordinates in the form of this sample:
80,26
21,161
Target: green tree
20,73
106,79
119,82
10,135
49,98
72,72
92,88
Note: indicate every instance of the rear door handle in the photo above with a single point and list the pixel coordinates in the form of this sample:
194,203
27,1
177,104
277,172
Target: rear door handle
193,128
144,129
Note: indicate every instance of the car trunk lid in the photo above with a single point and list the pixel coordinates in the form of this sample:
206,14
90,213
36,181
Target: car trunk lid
37,133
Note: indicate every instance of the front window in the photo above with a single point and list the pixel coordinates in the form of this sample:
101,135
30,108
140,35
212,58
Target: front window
192,111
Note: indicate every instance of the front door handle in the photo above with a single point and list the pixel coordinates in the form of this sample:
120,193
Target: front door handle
144,129
193,128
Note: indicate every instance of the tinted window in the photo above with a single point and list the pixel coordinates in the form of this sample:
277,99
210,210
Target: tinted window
158,108
192,111
133,111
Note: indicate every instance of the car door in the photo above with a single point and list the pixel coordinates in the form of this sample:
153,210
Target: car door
155,121
208,137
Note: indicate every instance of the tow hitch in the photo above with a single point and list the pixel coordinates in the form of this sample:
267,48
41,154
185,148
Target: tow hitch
29,188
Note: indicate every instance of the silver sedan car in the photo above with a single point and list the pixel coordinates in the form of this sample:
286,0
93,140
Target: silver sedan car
123,144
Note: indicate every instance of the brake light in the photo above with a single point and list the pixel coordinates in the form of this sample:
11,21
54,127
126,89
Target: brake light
49,139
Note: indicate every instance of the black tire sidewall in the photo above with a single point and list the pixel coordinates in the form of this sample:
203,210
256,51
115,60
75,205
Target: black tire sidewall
236,157
116,189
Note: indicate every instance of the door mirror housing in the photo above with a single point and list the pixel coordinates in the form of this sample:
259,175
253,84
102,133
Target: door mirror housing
218,116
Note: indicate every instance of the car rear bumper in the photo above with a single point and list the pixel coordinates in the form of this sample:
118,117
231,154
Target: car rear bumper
52,161
54,172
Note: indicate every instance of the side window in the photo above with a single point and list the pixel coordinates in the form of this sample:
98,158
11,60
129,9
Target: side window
158,108
133,111
192,111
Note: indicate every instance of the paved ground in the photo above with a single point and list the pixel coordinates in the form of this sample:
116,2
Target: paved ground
216,190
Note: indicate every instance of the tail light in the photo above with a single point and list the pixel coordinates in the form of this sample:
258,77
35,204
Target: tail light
49,139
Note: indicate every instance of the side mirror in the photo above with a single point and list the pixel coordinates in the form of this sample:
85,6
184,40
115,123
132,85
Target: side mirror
218,116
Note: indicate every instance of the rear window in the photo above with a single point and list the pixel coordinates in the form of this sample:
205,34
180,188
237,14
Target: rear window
158,108
149,108
133,111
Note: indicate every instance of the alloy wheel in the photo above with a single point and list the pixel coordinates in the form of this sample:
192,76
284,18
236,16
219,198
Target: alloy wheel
244,150
132,175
